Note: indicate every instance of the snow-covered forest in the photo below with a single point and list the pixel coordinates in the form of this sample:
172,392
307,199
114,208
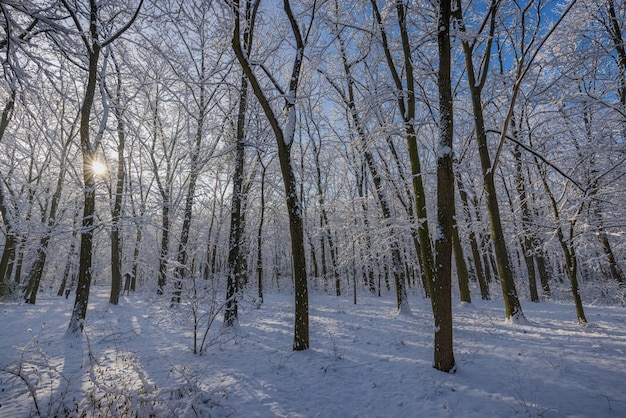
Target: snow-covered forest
235,207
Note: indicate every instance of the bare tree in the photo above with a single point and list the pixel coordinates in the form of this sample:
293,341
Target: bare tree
441,297
236,224
476,83
406,101
119,108
348,99
20,23
285,135
98,36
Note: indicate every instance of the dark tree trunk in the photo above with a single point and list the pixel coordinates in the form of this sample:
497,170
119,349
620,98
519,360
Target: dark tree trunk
441,297
512,304
8,255
235,254
165,243
116,242
89,185
571,261
461,266
133,278
235,237
93,47
181,270
284,139
10,240
406,105
526,240
476,257
259,260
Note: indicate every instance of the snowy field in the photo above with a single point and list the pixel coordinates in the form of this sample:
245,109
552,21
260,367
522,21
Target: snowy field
365,361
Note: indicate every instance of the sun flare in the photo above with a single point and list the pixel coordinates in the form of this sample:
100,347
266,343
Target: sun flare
98,168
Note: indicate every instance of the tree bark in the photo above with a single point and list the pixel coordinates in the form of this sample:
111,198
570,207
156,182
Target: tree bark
526,239
259,241
481,278
235,254
441,296
181,271
116,242
407,110
512,304
10,240
234,242
284,139
93,46
461,266
81,301
569,253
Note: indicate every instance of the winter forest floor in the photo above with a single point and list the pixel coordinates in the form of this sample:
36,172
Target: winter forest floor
365,361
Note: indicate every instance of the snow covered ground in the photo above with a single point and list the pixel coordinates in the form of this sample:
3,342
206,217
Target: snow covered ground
365,361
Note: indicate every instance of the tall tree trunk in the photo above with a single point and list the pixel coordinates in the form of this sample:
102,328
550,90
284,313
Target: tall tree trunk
236,216
135,268
66,270
8,255
235,237
614,268
116,242
526,239
284,140
244,251
165,191
461,266
512,304
483,283
19,264
70,260
406,105
165,243
10,240
569,253
137,214
181,271
93,47
259,240
544,276
368,273
617,37
441,296
89,184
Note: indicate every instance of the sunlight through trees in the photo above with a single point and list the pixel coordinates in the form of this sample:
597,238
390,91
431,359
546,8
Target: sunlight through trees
209,153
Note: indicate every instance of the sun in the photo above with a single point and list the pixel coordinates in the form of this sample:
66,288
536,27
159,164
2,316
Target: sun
98,168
